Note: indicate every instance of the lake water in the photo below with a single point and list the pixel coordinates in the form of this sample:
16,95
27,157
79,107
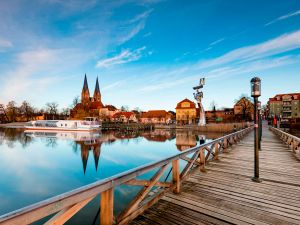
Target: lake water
36,166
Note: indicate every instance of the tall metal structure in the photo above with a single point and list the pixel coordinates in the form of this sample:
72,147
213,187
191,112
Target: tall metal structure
198,95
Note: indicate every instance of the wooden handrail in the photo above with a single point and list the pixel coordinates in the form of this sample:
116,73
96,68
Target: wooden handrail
72,201
292,141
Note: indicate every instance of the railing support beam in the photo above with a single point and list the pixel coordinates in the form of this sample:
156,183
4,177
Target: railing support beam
107,207
176,176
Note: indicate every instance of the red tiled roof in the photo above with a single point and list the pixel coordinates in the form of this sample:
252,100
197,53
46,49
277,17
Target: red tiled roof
155,114
274,99
126,114
193,105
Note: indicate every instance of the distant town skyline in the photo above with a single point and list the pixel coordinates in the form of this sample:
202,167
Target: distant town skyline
149,53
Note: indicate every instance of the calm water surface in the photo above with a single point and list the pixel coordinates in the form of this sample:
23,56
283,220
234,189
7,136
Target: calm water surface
36,166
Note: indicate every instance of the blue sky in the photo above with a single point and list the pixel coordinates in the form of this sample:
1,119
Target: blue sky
148,53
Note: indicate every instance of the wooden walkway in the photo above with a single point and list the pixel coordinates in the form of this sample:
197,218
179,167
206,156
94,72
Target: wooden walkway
225,194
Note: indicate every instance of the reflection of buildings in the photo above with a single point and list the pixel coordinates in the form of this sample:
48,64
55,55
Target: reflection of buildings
185,140
159,135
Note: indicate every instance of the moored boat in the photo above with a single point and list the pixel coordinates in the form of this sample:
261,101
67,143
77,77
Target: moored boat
88,124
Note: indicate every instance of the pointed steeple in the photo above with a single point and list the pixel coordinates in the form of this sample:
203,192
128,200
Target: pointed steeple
85,83
85,93
97,94
97,89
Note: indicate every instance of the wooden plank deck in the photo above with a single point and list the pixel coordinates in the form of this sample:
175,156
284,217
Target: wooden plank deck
225,193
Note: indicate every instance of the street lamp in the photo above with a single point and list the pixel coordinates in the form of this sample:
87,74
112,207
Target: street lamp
255,93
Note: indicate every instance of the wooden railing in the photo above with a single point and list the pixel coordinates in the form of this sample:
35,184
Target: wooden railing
292,141
67,205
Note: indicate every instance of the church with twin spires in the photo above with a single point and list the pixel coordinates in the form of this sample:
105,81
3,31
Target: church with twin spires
89,105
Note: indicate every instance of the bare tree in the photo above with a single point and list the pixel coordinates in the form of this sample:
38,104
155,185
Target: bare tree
26,110
75,101
213,106
52,109
245,102
65,112
12,111
124,108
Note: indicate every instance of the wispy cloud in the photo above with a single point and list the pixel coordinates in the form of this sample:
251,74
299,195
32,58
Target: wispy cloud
5,43
296,13
134,26
113,85
35,70
141,16
124,57
217,73
133,32
274,46
217,41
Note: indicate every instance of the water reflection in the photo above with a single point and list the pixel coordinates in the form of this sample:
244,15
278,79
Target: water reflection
38,165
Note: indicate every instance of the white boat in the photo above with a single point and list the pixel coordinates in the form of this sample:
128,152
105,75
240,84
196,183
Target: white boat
88,124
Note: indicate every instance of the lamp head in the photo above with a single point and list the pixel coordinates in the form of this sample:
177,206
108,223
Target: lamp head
255,87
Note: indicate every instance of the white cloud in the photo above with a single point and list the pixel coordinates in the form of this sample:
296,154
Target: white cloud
113,85
141,16
134,31
296,13
124,57
217,73
33,71
136,24
5,43
217,41
272,47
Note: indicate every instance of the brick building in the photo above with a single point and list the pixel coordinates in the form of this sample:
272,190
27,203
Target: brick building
286,106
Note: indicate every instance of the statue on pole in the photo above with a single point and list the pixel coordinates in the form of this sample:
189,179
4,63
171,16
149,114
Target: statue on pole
198,95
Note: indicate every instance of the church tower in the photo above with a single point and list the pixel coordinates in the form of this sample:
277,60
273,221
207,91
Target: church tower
97,94
85,94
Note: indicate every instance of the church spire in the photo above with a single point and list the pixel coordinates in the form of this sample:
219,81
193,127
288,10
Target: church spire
97,94
97,89
85,93
85,84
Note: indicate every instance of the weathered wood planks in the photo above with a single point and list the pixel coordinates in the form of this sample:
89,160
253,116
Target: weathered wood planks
225,194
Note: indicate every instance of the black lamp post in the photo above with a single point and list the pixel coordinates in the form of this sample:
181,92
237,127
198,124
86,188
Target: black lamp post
259,124
255,93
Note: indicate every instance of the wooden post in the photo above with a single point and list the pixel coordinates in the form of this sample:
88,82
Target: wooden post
293,146
225,145
217,151
176,176
202,160
107,207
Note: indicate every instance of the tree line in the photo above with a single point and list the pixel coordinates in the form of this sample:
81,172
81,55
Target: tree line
13,112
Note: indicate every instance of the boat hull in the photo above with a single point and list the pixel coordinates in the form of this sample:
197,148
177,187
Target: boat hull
62,129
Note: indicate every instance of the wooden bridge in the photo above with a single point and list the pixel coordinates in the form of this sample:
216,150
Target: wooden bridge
212,188
225,193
